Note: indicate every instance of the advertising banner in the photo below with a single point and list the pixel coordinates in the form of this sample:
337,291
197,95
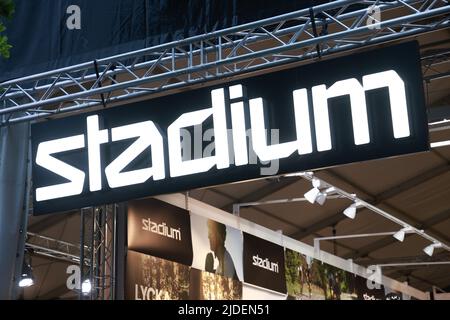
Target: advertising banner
302,277
264,264
250,292
359,107
368,290
205,285
160,229
175,254
310,279
152,278
217,248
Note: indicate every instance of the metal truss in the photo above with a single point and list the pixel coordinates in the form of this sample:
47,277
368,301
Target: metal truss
296,36
53,248
431,61
95,254
98,231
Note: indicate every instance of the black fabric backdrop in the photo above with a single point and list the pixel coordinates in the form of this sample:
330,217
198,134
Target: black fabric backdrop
41,40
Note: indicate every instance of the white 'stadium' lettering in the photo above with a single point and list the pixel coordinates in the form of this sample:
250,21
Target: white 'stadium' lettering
221,159
161,228
74,175
238,125
149,135
352,87
265,264
95,138
303,143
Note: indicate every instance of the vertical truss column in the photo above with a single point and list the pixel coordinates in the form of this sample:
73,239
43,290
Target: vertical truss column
97,231
85,247
102,269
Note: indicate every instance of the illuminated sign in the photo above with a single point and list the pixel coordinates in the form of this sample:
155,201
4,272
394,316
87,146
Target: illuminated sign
349,109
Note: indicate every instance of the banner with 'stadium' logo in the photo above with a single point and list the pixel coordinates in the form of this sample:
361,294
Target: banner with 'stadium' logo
264,264
359,107
177,254
160,229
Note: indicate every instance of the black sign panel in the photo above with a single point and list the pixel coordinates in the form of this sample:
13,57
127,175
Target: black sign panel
160,229
264,264
368,290
359,107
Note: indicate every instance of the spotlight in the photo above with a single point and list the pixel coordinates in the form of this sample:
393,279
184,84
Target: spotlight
400,235
26,282
26,276
86,286
312,194
430,248
323,195
315,195
321,198
317,183
350,212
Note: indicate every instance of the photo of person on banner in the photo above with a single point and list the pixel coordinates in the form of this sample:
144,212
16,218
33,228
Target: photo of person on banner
217,248
217,234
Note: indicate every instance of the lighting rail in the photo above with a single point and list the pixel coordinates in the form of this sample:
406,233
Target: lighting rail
229,52
414,264
358,203
350,236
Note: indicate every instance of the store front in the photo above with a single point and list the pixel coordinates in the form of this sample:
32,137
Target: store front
345,110
246,174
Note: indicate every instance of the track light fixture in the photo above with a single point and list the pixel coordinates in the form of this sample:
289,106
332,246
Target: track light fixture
315,195
318,195
312,194
350,212
400,235
322,196
26,276
317,183
430,248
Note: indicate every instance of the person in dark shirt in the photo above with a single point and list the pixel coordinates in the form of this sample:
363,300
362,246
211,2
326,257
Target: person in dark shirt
217,234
